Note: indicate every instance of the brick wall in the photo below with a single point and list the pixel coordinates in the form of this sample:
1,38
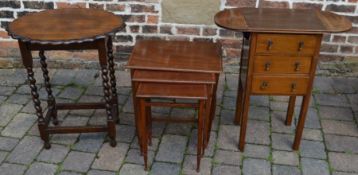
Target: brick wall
143,18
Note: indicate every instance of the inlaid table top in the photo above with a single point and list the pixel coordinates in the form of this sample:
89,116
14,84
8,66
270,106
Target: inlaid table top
184,56
281,20
64,26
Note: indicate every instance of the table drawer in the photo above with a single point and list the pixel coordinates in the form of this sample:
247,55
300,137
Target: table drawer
282,64
286,44
280,85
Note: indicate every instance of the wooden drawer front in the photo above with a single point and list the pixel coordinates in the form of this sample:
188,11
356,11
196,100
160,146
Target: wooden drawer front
282,64
286,44
279,85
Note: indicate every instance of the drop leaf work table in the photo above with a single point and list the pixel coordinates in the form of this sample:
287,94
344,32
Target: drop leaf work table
279,56
69,29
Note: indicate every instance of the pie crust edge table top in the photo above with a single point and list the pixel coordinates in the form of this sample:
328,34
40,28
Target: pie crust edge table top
282,20
65,26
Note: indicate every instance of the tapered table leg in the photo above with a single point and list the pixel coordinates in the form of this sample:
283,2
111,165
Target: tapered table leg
301,121
290,110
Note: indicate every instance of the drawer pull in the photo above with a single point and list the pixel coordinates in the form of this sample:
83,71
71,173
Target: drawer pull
267,66
301,44
264,85
297,66
269,44
293,87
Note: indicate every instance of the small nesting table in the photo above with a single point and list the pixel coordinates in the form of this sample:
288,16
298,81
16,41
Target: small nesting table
69,29
174,70
279,55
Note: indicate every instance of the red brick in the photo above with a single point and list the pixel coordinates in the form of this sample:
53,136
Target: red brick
152,19
346,49
138,8
232,53
178,38
341,8
326,58
241,3
116,7
134,29
188,30
326,37
329,48
230,43
353,39
339,39
96,6
149,29
166,30
3,34
61,5
9,44
273,4
302,5
210,31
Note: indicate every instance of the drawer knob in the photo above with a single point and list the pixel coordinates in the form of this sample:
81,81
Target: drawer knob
297,66
269,44
264,85
293,87
301,44
267,66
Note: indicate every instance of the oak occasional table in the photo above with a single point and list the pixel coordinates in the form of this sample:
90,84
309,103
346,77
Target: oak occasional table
279,55
69,29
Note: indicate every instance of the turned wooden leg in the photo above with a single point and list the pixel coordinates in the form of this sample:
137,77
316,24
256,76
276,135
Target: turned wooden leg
51,102
102,52
27,62
112,79
143,131
239,103
199,153
37,103
301,121
244,119
290,110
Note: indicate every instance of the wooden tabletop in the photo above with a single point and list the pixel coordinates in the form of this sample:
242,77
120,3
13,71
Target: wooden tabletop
185,56
65,26
282,20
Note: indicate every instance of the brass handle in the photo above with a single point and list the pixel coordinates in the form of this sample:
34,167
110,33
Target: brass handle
267,66
301,44
264,85
293,87
269,44
297,66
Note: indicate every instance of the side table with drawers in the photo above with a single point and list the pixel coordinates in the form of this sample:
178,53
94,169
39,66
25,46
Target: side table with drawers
279,55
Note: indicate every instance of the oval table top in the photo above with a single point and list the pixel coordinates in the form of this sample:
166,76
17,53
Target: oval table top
275,20
65,26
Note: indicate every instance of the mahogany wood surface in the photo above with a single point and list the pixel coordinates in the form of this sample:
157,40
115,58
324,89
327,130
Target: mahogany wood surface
173,77
71,25
165,90
280,55
69,29
182,56
282,64
276,20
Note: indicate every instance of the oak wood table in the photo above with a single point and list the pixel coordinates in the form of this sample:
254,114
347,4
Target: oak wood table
279,55
175,70
69,29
